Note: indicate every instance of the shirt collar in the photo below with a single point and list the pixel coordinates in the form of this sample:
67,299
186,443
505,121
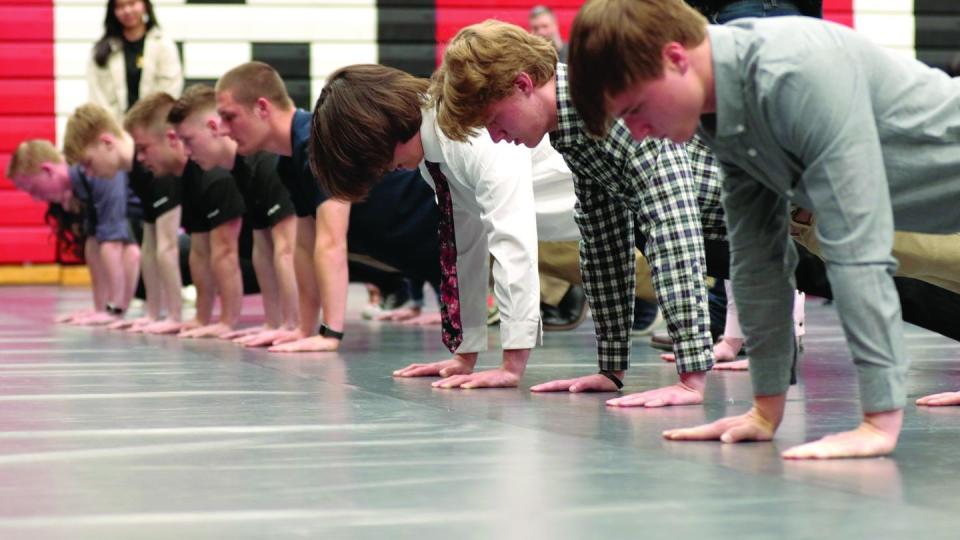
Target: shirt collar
728,85
429,138
569,124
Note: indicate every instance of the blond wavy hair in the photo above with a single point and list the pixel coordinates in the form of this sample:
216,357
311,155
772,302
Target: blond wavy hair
30,155
84,126
479,68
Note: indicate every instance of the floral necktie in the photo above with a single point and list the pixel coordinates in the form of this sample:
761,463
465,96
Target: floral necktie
452,328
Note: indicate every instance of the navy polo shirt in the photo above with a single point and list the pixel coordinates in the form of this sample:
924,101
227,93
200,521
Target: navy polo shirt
295,171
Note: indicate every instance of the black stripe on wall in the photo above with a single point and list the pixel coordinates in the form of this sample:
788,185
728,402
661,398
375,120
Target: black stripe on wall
292,61
406,35
937,39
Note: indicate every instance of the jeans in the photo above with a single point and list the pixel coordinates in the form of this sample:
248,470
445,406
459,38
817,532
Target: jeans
755,8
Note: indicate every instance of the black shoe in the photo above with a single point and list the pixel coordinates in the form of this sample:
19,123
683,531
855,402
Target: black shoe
568,314
661,341
646,318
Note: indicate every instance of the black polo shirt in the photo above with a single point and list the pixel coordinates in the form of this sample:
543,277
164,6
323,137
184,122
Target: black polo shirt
210,198
267,199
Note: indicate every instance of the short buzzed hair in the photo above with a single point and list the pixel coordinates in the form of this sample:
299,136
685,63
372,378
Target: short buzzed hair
252,81
615,44
196,98
149,113
87,122
29,157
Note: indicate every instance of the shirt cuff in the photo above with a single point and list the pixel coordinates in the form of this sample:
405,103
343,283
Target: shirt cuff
521,334
693,356
613,355
474,339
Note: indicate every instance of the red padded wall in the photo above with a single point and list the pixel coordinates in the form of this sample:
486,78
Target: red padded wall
26,111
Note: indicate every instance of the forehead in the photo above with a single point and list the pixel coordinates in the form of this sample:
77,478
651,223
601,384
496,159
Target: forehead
542,19
226,102
143,136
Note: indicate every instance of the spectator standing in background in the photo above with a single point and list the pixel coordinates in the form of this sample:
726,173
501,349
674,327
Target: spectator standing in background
133,58
543,23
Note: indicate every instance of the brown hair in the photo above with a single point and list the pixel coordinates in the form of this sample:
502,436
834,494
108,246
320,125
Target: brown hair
87,122
363,112
479,68
252,81
149,113
196,98
30,155
615,44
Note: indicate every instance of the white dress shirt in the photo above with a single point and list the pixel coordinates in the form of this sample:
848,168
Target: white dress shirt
491,187
554,196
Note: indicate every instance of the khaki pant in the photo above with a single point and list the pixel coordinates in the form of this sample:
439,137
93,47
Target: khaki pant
560,267
934,258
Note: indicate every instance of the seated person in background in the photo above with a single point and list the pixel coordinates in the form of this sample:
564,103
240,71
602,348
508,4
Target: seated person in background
269,209
37,168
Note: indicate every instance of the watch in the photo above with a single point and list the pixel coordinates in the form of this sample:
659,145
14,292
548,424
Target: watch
114,310
326,331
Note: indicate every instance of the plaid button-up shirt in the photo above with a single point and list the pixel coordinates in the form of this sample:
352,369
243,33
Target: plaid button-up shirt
667,193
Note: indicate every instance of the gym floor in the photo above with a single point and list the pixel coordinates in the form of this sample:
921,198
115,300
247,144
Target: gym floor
109,435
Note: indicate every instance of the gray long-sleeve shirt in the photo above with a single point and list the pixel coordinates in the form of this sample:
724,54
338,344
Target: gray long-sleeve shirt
812,113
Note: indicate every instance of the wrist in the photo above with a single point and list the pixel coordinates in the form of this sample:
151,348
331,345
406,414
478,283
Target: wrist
328,332
114,310
694,380
466,359
515,360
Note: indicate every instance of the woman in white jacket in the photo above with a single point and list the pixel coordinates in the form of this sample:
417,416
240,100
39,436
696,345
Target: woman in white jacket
132,59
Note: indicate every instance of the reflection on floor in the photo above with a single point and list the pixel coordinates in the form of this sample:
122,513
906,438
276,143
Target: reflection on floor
108,435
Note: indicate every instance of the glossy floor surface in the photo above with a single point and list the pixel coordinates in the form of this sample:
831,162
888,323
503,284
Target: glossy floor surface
107,435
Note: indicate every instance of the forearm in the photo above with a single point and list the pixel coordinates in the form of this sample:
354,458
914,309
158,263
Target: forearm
333,280
308,297
204,283
111,256
91,254
287,284
226,273
168,269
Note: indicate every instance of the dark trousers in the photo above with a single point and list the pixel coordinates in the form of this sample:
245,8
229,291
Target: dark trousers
922,304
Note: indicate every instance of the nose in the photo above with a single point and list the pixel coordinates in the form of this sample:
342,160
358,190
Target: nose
497,135
639,130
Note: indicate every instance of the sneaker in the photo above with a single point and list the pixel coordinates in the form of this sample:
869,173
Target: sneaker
493,312
661,341
646,317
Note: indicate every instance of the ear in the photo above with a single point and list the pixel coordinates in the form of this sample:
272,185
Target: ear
172,138
262,107
524,83
107,139
675,57
213,124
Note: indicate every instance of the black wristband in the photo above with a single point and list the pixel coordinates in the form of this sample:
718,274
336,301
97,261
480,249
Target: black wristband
613,377
114,310
326,331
